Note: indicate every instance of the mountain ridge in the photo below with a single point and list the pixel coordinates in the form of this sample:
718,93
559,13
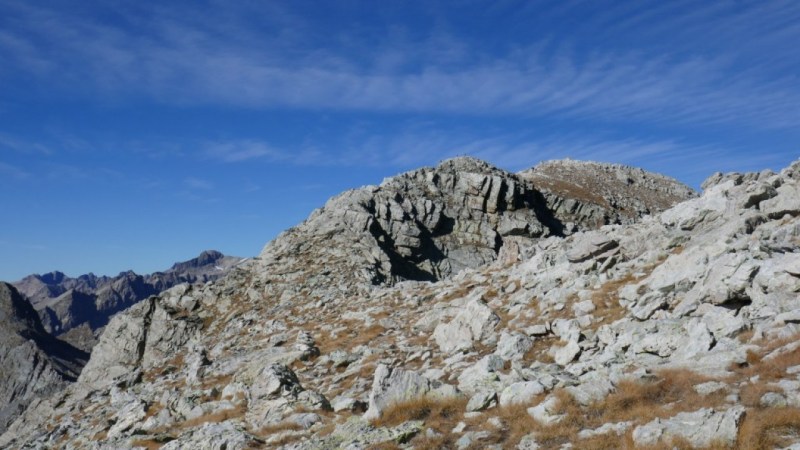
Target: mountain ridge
65,303
368,324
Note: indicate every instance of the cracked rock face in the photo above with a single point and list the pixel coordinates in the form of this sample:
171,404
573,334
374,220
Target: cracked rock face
393,294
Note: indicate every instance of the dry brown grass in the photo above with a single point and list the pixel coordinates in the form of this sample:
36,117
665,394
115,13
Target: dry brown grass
389,446
149,444
570,189
278,427
745,336
269,430
356,334
438,413
751,393
216,417
173,364
490,294
769,428
540,350
666,394
769,369
516,424
606,300
669,392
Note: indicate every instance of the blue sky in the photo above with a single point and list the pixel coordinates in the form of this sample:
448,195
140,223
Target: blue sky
134,134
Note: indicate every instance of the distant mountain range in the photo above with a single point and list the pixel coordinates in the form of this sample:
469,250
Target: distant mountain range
76,309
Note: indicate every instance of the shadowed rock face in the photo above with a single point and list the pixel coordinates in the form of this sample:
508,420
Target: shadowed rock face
86,303
33,364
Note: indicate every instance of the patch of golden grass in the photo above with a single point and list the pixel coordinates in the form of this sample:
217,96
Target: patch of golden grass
216,417
278,427
356,334
666,394
606,300
570,189
770,369
437,413
540,350
646,401
516,424
751,393
745,336
769,428
149,444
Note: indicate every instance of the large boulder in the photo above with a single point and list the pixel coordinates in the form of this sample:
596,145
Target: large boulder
701,428
474,323
394,385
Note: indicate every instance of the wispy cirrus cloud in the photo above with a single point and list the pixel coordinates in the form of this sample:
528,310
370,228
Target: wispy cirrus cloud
12,171
240,150
9,143
198,184
198,59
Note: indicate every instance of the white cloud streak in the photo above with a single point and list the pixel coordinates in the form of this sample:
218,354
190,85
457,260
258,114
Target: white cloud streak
9,170
198,184
199,59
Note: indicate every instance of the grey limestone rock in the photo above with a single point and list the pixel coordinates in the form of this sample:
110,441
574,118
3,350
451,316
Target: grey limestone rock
700,428
395,385
215,436
520,392
475,322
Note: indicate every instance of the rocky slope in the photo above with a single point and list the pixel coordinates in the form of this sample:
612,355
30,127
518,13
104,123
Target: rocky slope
33,364
78,308
374,324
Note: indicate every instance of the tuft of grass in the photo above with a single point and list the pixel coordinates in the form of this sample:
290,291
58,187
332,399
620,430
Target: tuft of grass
667,393
437,413
216,417
769,428
278,427
149,444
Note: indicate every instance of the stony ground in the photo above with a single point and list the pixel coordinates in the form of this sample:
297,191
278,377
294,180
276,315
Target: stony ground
679,330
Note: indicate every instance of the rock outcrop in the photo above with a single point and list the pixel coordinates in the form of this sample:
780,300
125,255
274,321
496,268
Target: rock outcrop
677,329
77,309
426,225
33,364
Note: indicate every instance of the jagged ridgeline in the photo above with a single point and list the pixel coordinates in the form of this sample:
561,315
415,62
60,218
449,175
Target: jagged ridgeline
463,306
77,309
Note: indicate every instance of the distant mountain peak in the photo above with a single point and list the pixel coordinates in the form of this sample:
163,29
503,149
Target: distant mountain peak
64,303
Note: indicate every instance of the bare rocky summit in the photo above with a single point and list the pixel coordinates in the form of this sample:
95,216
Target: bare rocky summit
586,191
462,306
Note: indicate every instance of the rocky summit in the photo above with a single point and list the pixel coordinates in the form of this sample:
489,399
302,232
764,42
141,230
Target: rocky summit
573,305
